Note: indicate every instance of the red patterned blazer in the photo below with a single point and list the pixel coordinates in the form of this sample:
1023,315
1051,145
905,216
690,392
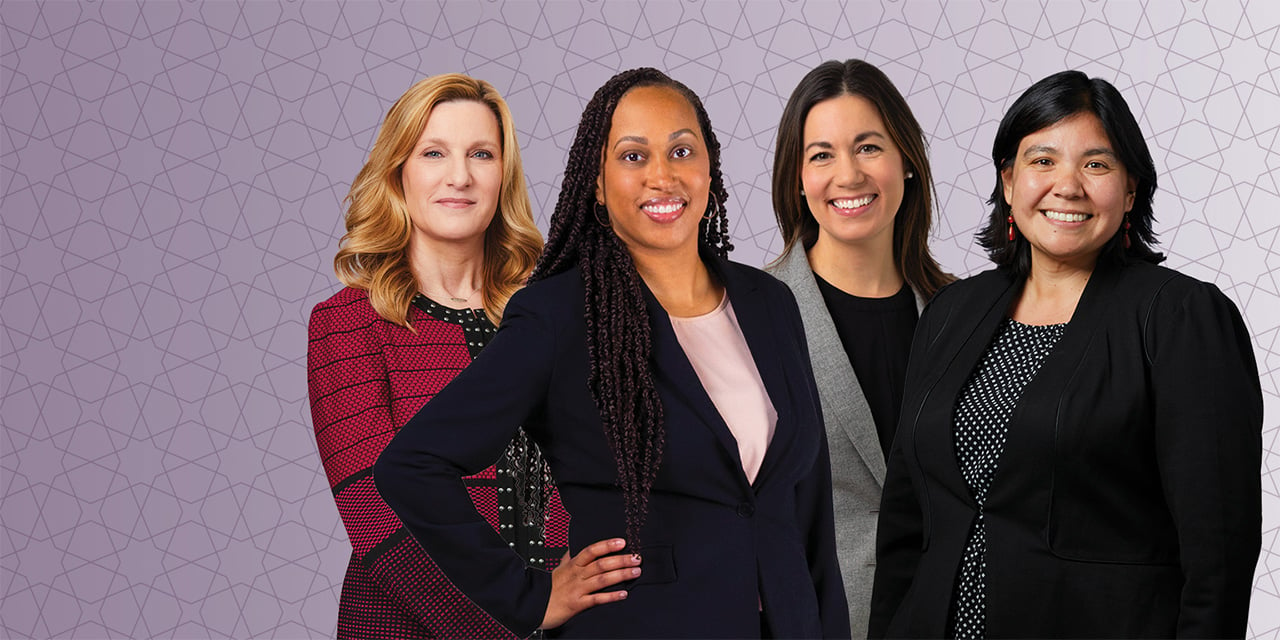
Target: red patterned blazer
366,377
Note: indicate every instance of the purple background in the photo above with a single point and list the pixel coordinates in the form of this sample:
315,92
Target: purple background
171,176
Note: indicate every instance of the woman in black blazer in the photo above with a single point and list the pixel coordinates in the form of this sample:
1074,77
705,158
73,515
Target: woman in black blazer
698,484
1080,444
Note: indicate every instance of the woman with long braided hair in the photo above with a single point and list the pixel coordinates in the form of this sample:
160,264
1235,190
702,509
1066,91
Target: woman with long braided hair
671,393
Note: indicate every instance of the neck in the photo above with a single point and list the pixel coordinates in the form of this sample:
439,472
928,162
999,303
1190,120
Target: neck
449,273
1052,291
682,283
863,270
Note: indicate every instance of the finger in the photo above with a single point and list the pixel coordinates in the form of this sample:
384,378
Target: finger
593,599
612,563
610,578
603,547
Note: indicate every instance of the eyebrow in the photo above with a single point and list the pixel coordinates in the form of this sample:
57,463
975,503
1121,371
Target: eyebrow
861,137
438,142
644,140
1051,150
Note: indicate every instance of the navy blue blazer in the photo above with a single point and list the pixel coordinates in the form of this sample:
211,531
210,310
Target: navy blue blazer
1128,499
716,548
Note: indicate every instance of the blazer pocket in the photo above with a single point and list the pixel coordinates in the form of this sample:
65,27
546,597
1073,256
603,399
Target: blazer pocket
657,566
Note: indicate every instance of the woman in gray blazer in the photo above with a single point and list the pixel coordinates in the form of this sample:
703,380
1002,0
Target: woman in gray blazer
852,193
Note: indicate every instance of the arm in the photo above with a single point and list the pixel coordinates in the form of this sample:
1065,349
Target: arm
900,525
899,537
463,430
1208,426
814,507
350,410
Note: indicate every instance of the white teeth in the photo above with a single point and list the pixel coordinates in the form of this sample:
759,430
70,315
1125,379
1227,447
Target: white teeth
1061,216
852,203
663,208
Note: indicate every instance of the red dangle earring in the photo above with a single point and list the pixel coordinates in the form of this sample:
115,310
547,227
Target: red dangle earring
1011,227
1126,231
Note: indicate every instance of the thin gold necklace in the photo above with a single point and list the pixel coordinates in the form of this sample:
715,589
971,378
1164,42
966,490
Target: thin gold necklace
453,298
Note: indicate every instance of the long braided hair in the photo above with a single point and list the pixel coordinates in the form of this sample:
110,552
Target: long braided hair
619,341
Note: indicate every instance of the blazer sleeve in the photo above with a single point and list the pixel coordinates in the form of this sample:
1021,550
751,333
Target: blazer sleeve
350,410
900,526
463,430
1208,432
815,509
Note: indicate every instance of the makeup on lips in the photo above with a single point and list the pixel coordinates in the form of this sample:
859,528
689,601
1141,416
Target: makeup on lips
664,210
852,206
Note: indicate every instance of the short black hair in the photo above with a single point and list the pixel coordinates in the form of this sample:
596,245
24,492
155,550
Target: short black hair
1048,102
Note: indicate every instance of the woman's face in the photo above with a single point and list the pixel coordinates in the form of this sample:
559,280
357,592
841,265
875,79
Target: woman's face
852,173
655,172
453,176
1068,191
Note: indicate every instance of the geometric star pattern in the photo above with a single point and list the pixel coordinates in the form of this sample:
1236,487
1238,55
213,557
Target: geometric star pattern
171,185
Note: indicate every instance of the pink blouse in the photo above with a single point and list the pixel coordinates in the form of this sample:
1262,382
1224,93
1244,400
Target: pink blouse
714,344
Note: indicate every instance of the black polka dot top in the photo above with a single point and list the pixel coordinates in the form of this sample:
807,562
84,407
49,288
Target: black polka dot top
981,425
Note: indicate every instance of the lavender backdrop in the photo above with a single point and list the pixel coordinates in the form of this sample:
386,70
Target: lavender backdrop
171,175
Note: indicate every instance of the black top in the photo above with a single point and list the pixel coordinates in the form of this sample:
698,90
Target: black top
981,426
1127,502
876,334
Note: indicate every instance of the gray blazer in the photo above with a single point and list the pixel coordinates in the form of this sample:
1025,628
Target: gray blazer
857,464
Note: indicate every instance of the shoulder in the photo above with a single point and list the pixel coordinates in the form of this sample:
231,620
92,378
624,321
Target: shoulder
753,277
977,287
554,297
347,308
790,268
1165,295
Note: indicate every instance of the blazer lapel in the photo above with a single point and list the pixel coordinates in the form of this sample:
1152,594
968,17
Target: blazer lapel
968,331
756,320
844,407
672,363
1036,407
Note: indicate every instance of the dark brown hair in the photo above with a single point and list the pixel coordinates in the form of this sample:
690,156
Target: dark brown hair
911,225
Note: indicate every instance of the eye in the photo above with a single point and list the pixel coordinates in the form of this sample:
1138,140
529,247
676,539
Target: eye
1042,162
1095,164
681,152
432,153
820,156
869,148
632,156
483,154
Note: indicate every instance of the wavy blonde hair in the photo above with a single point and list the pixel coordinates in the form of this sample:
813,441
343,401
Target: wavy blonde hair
373,254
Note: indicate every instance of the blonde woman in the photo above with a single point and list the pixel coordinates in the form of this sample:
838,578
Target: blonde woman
439,236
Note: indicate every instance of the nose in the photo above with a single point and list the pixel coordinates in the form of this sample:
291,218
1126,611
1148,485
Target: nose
848,171
1068,186
660,174
459,172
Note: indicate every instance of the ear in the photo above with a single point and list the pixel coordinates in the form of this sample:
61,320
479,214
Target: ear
1131,194
600,185
1006,181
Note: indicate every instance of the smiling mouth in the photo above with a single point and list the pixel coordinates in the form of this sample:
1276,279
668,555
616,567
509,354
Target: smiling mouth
1063,216
663,210
852,203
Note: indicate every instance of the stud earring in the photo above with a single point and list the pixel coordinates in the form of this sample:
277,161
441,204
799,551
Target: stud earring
910,175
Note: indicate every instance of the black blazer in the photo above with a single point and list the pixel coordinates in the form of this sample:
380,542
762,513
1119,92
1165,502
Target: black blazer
1127,501
716,548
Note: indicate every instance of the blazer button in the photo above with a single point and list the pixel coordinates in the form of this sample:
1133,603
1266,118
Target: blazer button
746,510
